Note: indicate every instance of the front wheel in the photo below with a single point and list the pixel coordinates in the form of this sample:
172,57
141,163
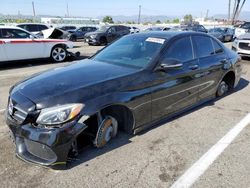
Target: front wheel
222,89
58,54
107,130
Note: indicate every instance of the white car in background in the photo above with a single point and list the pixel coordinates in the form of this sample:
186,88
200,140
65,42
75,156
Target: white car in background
19,44
133,29
242,29
242,45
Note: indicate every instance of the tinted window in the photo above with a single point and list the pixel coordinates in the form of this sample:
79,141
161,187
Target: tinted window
14,33
84,29
180,50
217,47
1,33
135,51
42,27
32,28
204,46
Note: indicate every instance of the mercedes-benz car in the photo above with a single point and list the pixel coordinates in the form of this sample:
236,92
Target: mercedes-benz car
18,44
128,86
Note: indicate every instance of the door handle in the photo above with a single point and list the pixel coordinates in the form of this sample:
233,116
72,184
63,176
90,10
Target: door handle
193,67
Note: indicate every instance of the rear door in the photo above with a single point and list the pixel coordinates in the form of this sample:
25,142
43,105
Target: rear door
212,59
176,88
112,34
18,45
3,56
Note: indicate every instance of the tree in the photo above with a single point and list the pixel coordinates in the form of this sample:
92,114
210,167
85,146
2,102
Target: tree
238,5
176,20
158,22
108,19
188,18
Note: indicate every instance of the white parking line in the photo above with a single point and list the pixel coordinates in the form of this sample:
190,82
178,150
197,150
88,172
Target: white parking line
198,168
2,110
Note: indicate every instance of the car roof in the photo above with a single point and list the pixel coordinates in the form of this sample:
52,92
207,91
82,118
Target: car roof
14,27
9,27
169,34
31,24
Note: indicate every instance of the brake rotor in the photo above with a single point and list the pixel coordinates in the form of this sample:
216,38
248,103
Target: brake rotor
107,130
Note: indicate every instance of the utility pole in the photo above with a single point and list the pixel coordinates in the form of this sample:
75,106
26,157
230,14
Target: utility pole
229,10
67,10
34,11
139,16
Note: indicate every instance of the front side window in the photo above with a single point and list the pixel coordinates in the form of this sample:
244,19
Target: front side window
181,50
132,51
14,34
204,46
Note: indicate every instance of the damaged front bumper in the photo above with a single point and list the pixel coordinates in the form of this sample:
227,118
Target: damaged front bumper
43,146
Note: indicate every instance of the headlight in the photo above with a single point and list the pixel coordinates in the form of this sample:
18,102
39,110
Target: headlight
59,114
93,36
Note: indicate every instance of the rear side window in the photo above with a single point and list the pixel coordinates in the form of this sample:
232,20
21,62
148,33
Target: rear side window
217,47
204,46
42,27
180,50
1,34
32,28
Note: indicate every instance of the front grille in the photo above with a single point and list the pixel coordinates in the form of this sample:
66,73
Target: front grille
16,112
244,45
40,150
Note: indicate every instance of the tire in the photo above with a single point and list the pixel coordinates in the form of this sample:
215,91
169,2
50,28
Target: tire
73,38
222,89
103,41
58,54
107,130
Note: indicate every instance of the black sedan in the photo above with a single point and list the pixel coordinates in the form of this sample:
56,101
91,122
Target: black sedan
80,33
130,85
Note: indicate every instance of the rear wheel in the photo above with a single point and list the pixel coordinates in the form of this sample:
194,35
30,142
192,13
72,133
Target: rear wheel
58,53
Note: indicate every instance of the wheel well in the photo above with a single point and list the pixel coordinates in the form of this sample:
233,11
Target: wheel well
61,45
122,114
229,78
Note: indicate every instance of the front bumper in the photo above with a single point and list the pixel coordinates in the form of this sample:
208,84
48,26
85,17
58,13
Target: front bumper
42,146
240,51
91,40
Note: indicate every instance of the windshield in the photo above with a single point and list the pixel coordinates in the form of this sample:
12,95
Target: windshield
103,28
134,51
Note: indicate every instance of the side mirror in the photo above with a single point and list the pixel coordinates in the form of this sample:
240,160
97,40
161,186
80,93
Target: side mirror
168,64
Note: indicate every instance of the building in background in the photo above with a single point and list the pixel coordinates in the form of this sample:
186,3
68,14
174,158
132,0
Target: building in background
70,21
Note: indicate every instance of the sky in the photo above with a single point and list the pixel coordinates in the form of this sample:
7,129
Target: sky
95,8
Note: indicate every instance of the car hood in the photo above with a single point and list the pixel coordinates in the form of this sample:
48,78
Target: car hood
244,36
81,81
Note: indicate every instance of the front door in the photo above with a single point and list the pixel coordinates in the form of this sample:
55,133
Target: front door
18,45
176,88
